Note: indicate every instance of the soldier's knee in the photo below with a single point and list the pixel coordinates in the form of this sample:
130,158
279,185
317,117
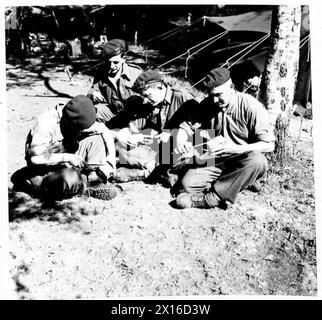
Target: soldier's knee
188,182
258,160
62,184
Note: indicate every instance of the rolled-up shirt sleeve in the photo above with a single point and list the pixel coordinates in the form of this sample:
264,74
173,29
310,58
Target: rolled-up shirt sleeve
193,117
40,139
259,125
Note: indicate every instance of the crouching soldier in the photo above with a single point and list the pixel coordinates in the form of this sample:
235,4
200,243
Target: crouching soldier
139,143
68,153
242,136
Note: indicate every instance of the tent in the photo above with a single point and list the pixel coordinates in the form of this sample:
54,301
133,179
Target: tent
234,33
257,21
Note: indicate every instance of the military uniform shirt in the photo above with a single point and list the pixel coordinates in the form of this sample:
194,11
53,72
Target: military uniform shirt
168,117
46,137
116,96
244,121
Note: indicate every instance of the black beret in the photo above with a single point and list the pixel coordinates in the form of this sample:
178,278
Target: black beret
216,77
80,112
146,78
113,48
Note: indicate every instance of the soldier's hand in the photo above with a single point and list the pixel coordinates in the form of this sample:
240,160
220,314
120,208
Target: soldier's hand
183,147
163,137
125,137
147,139
74,160
134,139
212,146
229,149
182,143
216,144
96,97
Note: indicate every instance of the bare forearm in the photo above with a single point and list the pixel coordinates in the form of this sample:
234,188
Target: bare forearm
260,146
182,135
51,159
122,134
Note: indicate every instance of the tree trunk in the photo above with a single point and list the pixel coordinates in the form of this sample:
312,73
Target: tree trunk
279,76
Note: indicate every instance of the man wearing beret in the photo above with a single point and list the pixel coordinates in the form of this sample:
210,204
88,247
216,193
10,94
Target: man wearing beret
67,153
113,82
243,135
165,114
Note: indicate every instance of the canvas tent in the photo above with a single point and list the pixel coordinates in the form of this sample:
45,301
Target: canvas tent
261,22
257,21
245,40
254,21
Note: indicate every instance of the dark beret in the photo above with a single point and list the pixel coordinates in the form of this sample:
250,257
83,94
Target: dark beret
216,77
113,48
79,112
145,78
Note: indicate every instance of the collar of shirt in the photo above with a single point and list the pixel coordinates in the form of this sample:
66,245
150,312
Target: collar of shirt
167,99
59,108
232,103
128,75
164,107
168,95
126,72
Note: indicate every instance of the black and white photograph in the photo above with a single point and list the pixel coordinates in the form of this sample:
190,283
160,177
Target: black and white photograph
160,150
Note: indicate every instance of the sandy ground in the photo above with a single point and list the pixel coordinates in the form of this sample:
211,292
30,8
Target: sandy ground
137,244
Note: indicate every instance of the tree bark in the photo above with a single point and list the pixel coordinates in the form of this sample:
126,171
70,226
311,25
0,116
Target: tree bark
279,76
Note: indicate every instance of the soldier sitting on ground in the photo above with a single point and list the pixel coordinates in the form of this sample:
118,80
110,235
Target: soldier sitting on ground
140,142
112,84
242,137
68,153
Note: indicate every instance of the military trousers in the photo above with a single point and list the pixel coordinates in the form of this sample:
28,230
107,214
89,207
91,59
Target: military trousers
226,178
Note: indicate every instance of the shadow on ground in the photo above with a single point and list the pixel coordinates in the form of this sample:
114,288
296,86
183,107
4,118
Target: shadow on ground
29,75
23,207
